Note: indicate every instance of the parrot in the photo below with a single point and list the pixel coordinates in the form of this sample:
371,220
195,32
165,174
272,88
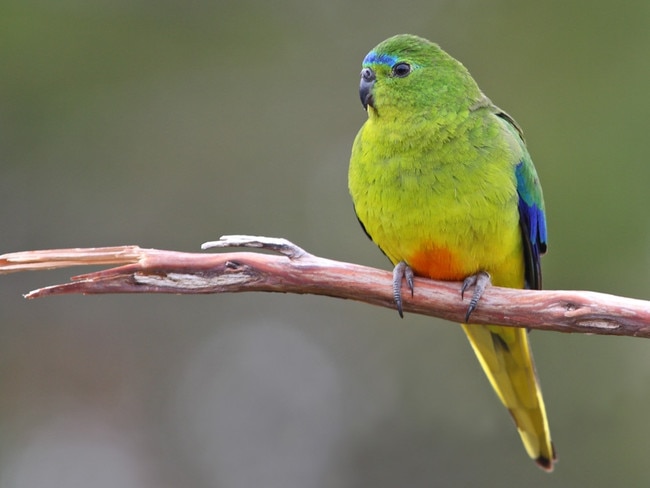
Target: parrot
442,182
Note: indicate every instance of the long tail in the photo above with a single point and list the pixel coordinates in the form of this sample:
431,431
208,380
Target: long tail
506,359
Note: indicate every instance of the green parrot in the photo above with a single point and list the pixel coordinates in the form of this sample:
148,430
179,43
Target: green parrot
442,182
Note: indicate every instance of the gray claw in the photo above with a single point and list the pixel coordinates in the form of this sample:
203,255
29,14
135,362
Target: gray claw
480,282
400,272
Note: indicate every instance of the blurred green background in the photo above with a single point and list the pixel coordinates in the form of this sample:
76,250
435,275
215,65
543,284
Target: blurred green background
167,124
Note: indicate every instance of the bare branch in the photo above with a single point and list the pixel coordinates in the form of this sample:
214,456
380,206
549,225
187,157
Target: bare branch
297,271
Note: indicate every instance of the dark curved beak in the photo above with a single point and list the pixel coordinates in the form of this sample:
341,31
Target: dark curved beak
365,87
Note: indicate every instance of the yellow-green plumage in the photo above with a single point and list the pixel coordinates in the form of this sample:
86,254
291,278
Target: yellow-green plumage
441,179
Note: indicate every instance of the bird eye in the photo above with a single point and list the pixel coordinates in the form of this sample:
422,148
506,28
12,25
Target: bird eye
401,70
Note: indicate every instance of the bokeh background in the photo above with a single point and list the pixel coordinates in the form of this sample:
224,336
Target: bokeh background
167,124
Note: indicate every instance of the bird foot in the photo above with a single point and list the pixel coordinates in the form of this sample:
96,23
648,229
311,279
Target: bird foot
480,282
400,272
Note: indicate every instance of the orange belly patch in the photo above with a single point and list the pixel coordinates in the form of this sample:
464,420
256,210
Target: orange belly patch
438,263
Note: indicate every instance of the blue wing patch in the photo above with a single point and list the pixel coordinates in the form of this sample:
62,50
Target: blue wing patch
532,222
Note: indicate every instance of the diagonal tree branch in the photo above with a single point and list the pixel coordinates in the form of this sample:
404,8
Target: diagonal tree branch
293,270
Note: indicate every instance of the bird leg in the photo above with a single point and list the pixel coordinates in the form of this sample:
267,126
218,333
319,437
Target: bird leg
480,282
400,272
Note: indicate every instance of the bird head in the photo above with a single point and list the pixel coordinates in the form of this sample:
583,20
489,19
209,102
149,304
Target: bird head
406,73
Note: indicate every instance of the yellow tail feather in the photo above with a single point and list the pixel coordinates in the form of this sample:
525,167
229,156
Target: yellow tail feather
506,359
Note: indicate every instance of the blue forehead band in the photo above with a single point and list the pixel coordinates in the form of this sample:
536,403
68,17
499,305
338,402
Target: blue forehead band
374,58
